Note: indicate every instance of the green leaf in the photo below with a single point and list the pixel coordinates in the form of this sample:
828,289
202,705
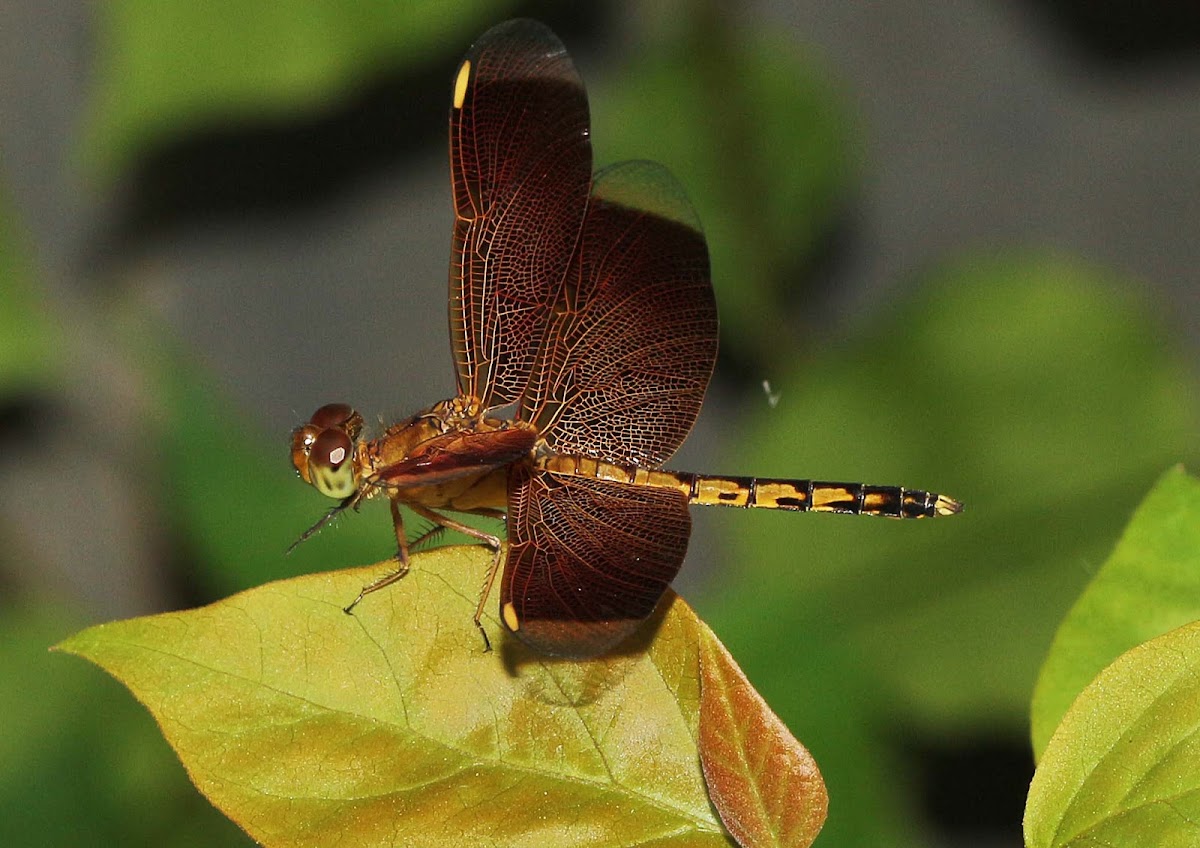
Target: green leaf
165,69
308,726
1150,584
1122,768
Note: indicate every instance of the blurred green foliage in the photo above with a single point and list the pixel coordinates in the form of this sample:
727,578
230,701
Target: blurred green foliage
164,69
80,761
29,340
759,135
1012,383
1037,389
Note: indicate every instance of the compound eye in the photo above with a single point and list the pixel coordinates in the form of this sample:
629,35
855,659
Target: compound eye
331,464
340,416
302,442
331,415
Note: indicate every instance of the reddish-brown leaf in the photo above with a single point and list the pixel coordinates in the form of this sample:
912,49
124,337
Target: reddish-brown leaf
764,784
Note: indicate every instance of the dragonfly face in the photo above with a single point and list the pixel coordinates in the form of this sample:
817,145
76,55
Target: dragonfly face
584,303
323,450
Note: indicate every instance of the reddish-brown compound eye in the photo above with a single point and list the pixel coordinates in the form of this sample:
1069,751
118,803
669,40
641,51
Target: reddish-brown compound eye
332,415
302,441
338,416
331,467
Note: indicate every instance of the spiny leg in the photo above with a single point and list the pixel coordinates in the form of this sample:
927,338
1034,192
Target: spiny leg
487,539
429,537
333,513
439,528
401,557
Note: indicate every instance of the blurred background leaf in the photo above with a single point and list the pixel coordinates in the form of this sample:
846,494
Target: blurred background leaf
29,341
878,186
769,171
999,379
166,70
80,761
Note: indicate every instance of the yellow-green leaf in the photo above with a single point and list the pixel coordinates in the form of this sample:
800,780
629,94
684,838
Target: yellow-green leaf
393,726
1123,768
1150,584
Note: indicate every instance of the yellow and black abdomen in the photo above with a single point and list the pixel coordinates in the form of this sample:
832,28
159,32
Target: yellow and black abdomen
817,496
765,492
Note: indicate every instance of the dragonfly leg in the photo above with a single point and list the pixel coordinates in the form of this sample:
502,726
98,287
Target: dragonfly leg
438,528
331,514
487,539
401,560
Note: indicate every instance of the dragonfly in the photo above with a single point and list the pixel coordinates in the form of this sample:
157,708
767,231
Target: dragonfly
583,328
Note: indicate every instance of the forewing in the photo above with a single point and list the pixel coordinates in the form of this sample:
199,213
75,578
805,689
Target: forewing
520,164
632,344
588,560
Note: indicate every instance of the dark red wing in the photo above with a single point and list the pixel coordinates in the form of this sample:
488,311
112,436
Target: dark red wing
630,350
588,560
520,164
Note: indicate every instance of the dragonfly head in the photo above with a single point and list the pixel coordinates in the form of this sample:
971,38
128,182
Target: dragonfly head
323,450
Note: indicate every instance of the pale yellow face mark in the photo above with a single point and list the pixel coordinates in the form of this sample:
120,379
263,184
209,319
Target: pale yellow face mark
510,617
460,88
